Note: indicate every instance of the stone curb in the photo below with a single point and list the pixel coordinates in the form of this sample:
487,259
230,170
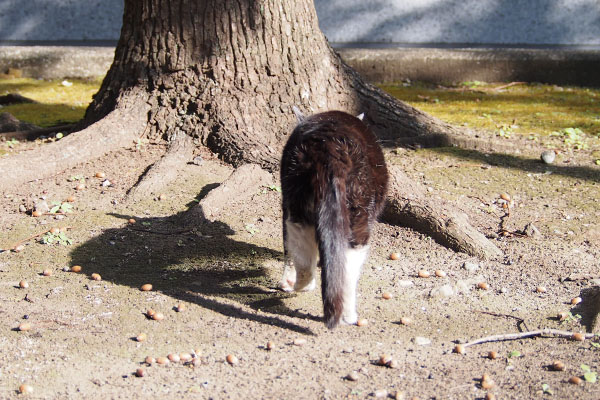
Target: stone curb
564,66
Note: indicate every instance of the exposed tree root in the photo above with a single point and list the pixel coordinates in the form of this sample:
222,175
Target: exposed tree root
408,205
165,170
117,130
524,335
244,182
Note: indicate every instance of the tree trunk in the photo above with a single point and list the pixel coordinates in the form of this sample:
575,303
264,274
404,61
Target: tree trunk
227,74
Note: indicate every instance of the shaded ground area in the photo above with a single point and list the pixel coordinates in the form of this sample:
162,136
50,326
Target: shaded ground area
82,338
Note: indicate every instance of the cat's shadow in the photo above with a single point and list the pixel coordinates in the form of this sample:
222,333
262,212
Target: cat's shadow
189,258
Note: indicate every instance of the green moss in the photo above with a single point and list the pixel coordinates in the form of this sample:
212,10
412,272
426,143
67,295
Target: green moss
57,103
520,109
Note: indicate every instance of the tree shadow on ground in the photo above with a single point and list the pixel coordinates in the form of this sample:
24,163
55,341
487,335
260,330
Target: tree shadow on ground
189,258
521,162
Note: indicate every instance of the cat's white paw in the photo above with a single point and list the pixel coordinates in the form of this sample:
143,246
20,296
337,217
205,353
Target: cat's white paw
287,285
299,287
350,318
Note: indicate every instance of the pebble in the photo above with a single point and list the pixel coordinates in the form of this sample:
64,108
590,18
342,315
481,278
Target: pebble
162,360
299,342
424,274
25,389
576,300
575,380
470,267
422,341
362,322
140,372
231,359
380,394
47,272
24,326
270,345
440,274
548,156
23,284
353,376
405,321
483,286
442,291
558,366
174,357
386,295
404,283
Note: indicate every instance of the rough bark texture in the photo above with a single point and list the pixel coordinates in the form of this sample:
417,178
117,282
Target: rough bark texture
409,205
228,73
165,170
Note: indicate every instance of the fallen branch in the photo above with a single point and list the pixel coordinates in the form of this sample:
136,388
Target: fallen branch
524,335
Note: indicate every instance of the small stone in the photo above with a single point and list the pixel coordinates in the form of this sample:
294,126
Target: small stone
270,345
22,208
299,342
483,286
558,366
405,283
421,341
440,274
470,267
579,337
405,321
531,230
576,300
394,256
548,156
353,376
362,322
380,394
460,349
424,274
197,160
492,355
442,291
540,289
231,359
386,296
575,380
140,372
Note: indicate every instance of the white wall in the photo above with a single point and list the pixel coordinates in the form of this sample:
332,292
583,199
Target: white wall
397,21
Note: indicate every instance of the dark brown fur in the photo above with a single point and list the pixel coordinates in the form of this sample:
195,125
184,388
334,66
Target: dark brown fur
333,177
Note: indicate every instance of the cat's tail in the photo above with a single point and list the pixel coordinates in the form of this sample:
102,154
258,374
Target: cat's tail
332,234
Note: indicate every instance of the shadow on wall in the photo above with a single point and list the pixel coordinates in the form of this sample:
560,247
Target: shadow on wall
535,22
60,20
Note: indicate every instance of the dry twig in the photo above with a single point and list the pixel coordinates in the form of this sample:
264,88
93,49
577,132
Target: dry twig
524,335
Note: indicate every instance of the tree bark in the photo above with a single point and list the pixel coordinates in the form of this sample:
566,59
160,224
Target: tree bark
226,73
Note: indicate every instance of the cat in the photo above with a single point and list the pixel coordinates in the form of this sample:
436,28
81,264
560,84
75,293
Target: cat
333,183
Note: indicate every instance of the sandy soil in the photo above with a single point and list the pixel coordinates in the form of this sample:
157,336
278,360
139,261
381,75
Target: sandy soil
82,342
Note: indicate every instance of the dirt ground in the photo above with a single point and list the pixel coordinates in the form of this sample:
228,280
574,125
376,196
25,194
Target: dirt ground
82,337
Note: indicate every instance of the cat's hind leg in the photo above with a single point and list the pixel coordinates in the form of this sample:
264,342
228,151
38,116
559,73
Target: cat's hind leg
355,257
301,244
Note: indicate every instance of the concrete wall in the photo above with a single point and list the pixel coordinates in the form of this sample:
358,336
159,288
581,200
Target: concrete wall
398,21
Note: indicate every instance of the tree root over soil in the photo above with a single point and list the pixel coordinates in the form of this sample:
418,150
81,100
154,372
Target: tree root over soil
164,170
117,130
409,205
